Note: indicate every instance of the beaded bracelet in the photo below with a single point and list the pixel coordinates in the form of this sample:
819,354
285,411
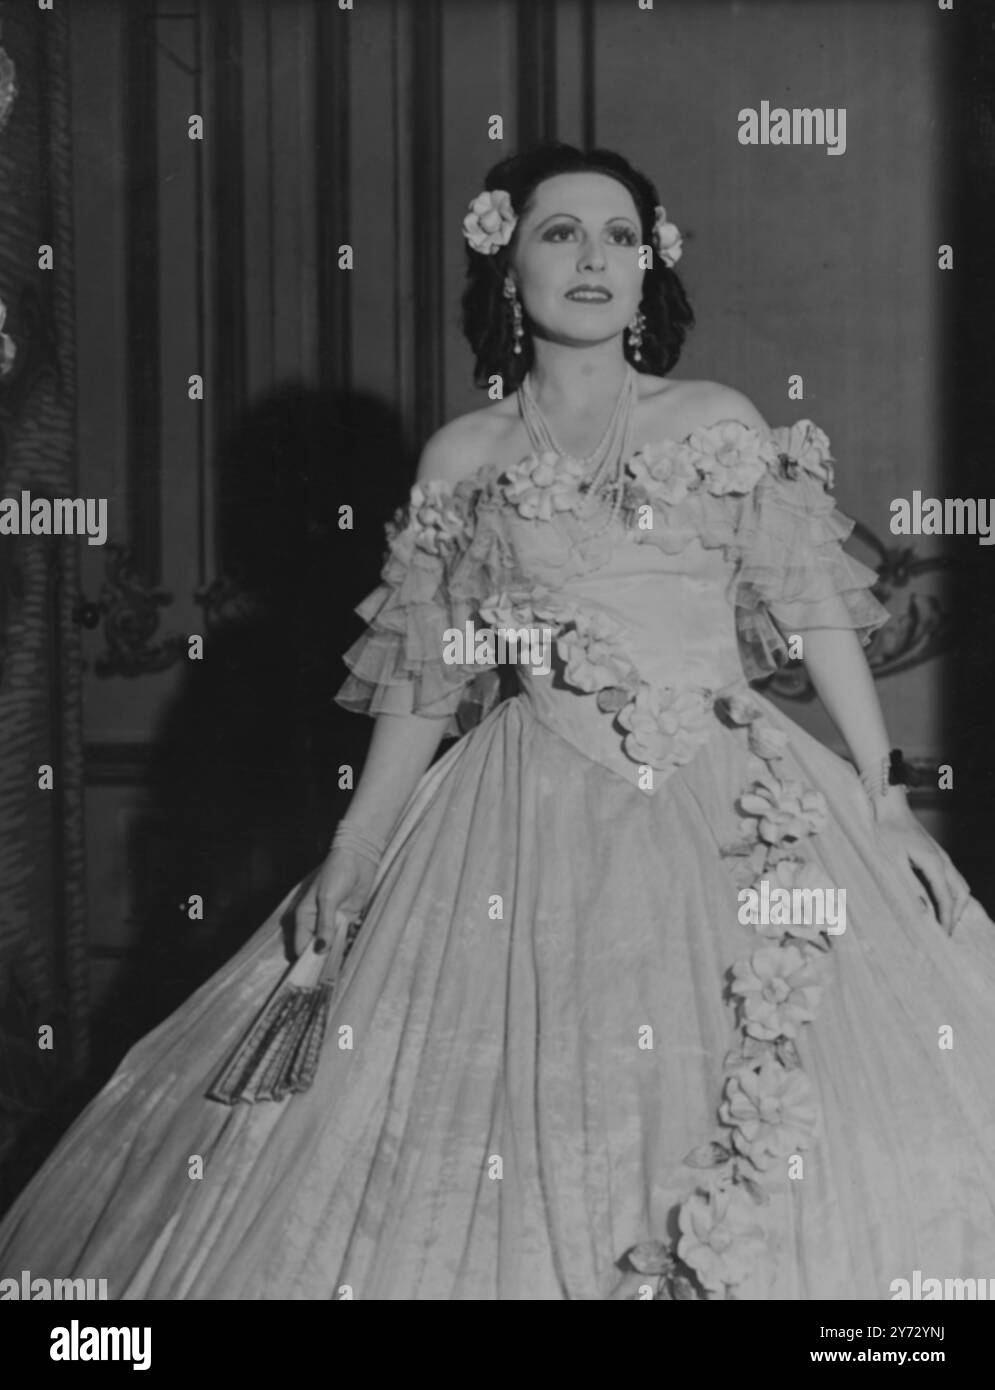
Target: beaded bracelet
890,771
360,841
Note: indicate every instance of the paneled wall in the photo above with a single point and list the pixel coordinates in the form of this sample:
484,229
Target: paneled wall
220,257
799,261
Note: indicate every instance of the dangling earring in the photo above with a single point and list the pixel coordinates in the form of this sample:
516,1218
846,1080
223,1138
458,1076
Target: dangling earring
636,335
517,329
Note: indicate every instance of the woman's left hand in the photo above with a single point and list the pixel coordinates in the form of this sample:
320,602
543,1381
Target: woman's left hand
906,839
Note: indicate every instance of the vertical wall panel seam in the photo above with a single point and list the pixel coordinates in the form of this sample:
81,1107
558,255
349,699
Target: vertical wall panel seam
202,308
427,229
228,388
587,84
144,444
400,379
333,203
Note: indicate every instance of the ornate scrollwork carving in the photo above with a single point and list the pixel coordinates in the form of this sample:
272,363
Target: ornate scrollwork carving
917,633
130,610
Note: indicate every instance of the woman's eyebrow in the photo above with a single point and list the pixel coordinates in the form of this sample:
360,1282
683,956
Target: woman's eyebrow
616,217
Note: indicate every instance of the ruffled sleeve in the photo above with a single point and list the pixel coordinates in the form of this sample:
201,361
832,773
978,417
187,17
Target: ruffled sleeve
445,555
793,574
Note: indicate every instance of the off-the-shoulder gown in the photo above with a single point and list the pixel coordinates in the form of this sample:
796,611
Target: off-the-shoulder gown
572,1071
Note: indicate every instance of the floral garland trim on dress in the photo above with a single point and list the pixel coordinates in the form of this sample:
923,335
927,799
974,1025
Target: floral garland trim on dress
727,459
436,516
662,727
693,480
768,1109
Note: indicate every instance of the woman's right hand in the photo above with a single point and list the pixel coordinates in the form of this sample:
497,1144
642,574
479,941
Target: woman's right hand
335,897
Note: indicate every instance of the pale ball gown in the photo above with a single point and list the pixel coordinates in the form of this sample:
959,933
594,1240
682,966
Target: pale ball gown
571,1071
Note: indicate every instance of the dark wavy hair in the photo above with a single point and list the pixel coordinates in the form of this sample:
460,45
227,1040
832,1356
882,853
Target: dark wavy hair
486,319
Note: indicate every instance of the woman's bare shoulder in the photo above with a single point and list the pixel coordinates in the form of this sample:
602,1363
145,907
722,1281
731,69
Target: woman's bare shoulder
684,406
463,445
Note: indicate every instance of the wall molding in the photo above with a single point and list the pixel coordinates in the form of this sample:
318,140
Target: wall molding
588,85
535,25
426,224
332,200
228,389
141,287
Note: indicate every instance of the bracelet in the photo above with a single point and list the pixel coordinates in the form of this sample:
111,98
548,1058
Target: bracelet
360,841
890,771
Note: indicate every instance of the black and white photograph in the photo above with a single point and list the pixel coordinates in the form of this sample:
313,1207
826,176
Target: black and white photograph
497,642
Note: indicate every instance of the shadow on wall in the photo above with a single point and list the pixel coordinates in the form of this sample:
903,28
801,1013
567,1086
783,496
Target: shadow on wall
243,787
245,776
969,312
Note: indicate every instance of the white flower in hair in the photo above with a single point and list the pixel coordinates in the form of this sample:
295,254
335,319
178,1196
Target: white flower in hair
490,222
668,239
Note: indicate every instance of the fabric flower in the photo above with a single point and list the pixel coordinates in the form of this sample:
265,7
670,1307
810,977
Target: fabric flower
436,518
766,740
490,222
772,1112
502,610
667,236
779,989
525,608
592,653
721,1239
742,708
548,607
543,484
666,726
808,446
665,472
731,456
784,810
791,873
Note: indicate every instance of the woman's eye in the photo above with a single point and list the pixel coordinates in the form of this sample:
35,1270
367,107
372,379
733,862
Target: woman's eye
620,236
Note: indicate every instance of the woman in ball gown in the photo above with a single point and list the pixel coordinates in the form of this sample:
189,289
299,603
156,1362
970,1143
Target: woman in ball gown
563,1057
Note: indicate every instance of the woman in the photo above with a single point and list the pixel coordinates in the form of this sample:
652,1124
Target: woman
566,1058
